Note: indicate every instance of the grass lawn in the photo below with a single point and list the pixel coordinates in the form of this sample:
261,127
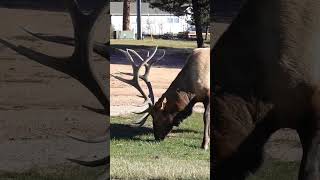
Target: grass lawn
162,43
277,170
135,155
55,173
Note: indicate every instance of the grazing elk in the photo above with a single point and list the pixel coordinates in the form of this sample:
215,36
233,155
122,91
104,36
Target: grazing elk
80,64
266,77
192,85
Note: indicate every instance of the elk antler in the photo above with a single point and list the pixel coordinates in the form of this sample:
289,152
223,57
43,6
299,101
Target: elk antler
84,25
149,99
79,65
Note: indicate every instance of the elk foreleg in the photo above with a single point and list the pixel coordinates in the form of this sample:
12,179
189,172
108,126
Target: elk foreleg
104,176
310,164
309,134
206,120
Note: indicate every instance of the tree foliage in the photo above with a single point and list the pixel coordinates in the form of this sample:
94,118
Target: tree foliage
180,8
199,9
176,7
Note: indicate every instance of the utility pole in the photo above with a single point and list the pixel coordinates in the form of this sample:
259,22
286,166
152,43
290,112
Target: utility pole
139,33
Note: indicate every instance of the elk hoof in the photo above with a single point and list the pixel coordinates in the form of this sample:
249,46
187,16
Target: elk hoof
205,144
205,147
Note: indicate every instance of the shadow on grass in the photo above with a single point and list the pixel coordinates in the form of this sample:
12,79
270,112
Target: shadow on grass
184,131
129,132
125,131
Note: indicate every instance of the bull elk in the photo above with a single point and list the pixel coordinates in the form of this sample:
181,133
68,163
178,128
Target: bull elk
191,85
79,65
270,83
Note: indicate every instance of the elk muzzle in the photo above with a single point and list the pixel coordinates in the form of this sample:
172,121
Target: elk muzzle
160,132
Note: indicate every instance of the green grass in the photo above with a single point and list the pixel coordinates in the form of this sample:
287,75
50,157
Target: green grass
54,173
135,155
277,170
160,42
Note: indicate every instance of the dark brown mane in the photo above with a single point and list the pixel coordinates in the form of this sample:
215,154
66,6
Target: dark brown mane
267,68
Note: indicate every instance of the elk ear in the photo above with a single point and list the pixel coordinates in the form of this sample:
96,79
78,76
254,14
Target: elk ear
160,103
182,100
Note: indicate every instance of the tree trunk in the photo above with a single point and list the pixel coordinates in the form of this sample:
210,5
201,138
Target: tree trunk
126,15
207,28
198,22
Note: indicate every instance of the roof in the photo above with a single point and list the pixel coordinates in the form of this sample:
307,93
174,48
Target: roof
116,9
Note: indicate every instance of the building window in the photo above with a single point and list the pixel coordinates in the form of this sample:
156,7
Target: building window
176,20
173,20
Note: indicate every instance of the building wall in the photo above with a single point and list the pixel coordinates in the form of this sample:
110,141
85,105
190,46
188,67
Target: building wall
156,25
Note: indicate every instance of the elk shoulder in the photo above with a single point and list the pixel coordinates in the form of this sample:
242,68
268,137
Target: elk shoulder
195,75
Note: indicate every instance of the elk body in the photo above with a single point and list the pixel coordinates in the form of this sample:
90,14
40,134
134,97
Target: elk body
191,85
271,82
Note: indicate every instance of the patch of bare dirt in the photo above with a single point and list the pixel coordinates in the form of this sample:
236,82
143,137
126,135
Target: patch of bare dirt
124,98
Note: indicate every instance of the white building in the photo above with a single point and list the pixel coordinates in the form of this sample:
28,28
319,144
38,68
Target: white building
153,21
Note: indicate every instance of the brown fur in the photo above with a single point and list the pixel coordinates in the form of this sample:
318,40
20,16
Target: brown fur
191,85
266,66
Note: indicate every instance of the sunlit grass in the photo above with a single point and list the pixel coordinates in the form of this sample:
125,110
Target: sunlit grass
277,170
135,155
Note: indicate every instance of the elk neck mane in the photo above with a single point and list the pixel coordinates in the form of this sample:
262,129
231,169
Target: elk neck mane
184,89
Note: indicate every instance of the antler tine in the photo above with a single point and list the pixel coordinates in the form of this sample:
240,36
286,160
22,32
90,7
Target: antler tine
158,59
100,162
135,80
161,57
150,57
142,119
144,77
129,57
131,82
142,112
99,139
135,53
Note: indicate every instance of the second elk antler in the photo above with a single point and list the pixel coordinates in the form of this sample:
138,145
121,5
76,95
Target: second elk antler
80,64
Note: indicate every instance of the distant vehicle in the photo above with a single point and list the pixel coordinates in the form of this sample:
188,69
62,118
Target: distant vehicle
192,35
168,36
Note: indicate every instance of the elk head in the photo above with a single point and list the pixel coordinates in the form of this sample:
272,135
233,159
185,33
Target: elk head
163,119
